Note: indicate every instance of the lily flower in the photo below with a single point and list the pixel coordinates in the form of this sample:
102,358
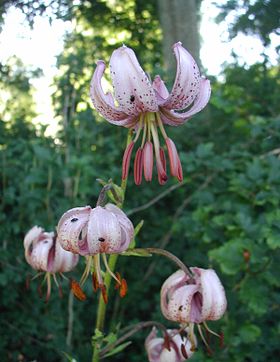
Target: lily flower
94,232
145,106
177,349
44,254
194,300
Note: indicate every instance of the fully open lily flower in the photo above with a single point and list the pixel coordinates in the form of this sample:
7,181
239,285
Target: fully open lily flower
194,300
178,349
44,254
145,106
94,232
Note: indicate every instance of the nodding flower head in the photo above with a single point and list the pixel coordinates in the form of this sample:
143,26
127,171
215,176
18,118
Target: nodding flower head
193,301
196,300
44,254
91,232
177,347
145,106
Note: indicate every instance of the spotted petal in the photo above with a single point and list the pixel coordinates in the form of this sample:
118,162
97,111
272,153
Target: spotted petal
213,294
132,88
187,81
71,229
104,103
176,119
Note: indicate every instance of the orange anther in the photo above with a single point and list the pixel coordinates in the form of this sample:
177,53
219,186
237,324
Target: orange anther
184,352
95,283
123,288
104,293
77,290
246,255
118,284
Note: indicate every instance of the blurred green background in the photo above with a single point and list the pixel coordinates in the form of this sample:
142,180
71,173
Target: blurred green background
224,216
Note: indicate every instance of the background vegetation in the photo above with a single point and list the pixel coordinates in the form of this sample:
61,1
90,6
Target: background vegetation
224,215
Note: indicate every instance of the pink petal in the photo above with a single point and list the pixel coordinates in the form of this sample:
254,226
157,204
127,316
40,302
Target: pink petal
132,87
138,166
175,119
187,81
40,253
71,229
60,260
148,161
176,280
104,103
104,232
126,160
126,226
213,293
160,89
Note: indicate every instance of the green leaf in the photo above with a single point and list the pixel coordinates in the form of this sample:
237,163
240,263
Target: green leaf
118,349
136,252
136,231
249,333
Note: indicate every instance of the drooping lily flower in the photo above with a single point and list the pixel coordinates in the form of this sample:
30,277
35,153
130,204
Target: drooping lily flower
44,253
194,300
91,232
178,349
145,106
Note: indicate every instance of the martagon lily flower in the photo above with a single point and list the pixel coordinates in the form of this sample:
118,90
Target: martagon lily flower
44,253
145,106
94,232
194,300
177,349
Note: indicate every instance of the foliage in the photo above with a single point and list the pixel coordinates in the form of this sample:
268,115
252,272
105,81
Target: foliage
225,215
252,17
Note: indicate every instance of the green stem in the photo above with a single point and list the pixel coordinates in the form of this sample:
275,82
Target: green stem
101,309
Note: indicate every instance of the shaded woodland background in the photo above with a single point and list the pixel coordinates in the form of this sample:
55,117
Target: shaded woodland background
225,215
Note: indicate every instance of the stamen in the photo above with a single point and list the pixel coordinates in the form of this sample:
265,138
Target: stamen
77,290
95,283
210,330
161,171
104,293
49,286
140,125
161,127
138,166
204,340
123,288
191,337
144,133
109,270
96,261
148,161
183,351
87,270
126,160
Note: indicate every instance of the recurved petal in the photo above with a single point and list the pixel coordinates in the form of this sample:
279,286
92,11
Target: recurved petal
60,260
104,232
132,87
30,240
213,294
122,218
187,81
176,280
40,254
160,89
71,229
176,119
104,103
